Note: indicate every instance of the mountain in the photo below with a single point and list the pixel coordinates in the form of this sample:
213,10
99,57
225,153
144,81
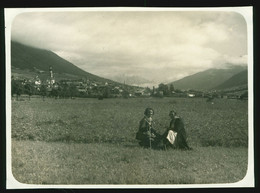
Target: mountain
28,61
132,80
207,79
238,80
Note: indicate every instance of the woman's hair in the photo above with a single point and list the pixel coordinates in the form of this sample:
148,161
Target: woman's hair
147,110
172,112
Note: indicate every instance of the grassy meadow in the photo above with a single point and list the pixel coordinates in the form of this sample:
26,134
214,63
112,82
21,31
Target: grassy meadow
90,141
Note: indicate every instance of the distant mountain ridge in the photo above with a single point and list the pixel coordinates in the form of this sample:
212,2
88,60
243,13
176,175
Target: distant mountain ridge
239,79
25,57
131,79
208,79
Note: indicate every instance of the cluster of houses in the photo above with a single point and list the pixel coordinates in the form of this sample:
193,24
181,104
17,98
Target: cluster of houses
85,86
36,82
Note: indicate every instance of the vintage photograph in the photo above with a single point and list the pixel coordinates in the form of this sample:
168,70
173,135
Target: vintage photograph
133,97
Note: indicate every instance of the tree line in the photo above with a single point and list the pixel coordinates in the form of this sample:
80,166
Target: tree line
19,87
61,90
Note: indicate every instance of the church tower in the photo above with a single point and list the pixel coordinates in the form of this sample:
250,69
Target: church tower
51,73
52,80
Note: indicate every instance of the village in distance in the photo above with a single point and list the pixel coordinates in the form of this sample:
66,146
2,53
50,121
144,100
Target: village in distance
87,88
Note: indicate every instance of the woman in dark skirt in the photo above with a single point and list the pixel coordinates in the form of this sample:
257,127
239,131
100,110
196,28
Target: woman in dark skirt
175,136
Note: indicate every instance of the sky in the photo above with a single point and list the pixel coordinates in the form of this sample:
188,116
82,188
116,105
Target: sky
160,46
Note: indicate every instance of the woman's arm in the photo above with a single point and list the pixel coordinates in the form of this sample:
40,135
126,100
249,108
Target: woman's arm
143,126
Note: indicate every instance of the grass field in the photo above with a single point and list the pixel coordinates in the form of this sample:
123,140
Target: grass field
90,141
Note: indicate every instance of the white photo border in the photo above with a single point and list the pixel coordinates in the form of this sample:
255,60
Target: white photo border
247,181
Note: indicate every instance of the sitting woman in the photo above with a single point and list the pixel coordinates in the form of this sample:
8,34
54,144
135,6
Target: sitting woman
146,134
175,136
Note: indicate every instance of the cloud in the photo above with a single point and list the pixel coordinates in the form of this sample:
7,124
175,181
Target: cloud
158,46
226,60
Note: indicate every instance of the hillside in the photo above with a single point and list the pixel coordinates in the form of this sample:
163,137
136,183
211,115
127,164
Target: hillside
207,79
29,61
239,79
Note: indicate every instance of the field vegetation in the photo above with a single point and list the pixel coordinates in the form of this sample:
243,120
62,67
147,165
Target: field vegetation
90,141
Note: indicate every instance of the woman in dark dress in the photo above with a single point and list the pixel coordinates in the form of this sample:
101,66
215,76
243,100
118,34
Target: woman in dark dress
147,135
175,136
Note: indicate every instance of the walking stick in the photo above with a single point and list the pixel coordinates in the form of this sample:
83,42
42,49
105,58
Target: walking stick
150,138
